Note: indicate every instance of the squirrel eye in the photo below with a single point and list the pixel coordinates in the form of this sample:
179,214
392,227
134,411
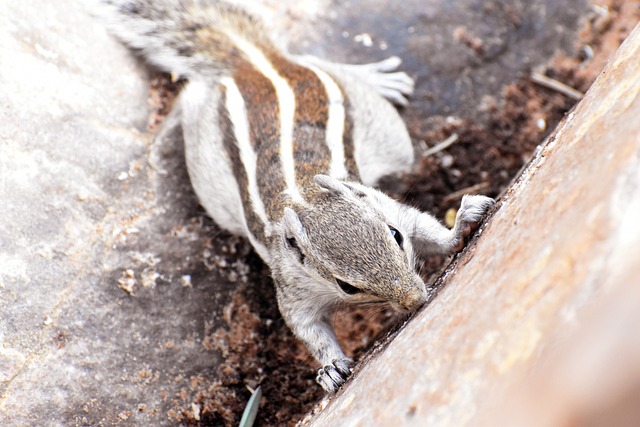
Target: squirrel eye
347,288
293,245
397,235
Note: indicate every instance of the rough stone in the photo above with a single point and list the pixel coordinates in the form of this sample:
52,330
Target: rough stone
84,207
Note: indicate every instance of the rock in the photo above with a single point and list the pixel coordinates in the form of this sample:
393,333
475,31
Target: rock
84,208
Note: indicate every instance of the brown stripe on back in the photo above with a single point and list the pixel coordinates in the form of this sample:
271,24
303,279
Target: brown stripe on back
264,130
310,151
255,224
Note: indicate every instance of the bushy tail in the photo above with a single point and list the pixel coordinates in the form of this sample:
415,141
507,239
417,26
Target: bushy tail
188,37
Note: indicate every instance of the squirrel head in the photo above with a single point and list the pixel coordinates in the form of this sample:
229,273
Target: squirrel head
342,248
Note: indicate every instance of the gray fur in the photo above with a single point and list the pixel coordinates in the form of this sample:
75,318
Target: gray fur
342,231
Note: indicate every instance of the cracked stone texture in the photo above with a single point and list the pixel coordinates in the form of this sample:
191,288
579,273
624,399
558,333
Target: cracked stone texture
103,293
537,324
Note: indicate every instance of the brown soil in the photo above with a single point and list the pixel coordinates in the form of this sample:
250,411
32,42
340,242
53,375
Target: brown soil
258,348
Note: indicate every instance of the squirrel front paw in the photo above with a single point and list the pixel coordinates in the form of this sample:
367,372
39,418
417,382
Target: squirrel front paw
332,377
471,211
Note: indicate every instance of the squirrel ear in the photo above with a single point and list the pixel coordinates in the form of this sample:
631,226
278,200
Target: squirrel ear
293,227
337,187
330,184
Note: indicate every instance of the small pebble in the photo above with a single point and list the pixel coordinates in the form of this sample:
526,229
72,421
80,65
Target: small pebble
446,161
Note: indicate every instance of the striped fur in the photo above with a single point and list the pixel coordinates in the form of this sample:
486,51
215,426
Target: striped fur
237,142
296,118
335,125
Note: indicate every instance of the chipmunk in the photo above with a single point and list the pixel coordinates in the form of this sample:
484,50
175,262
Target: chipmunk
285,150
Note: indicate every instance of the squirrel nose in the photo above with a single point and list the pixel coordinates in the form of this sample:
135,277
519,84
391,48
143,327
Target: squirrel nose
414,302
415,297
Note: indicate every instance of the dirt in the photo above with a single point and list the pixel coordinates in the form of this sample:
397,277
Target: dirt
258,348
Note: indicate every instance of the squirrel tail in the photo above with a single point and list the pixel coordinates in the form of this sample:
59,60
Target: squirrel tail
189,37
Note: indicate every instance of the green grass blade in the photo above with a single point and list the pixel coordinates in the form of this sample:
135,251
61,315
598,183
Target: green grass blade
251,411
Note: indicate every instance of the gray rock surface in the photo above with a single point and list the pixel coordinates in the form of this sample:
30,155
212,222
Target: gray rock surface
86,212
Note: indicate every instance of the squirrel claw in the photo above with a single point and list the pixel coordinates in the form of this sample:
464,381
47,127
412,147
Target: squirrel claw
332,377
470,214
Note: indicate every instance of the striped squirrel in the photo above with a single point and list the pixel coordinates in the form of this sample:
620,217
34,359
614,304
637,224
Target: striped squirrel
284,150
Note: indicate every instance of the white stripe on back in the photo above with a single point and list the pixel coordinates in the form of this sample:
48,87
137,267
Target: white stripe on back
335,124
237,110
286,104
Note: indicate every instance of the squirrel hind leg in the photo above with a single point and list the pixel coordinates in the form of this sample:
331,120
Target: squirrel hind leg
383,77
395,86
